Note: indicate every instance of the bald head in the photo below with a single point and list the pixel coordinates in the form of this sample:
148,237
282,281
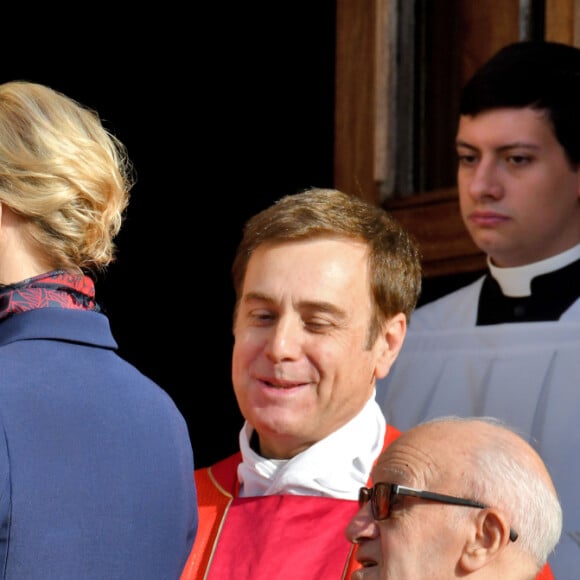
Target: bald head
450,447
481,503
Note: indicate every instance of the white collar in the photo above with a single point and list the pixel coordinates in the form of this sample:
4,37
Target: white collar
517,281
337,466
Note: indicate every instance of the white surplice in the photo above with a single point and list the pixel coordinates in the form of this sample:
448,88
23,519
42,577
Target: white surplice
527,374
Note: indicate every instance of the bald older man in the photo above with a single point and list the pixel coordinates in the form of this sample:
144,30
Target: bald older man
453,498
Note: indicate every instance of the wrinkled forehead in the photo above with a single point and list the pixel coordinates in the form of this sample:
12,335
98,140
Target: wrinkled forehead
423,457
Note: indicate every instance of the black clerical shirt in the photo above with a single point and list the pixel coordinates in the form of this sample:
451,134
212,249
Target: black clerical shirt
552,294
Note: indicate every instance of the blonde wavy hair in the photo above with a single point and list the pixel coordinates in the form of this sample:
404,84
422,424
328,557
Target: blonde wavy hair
67,176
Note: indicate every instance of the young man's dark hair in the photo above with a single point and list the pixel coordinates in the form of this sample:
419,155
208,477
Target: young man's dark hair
541,75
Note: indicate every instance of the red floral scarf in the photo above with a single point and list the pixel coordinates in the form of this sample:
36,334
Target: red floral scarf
57,289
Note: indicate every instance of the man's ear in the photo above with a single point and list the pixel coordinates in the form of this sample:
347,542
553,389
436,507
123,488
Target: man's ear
389,343
490,535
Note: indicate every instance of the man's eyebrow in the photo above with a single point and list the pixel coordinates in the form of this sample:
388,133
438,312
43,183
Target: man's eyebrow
258,296
311,305
505,147
321,306
518,145
459,143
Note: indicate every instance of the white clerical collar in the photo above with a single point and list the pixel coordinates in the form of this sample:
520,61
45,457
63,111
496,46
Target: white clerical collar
518,281
337,466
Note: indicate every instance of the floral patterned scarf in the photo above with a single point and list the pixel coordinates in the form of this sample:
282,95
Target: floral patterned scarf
56,289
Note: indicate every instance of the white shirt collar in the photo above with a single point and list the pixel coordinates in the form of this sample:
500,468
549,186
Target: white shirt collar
518,281
337,466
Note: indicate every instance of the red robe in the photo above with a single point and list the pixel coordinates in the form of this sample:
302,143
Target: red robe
276,536
281,537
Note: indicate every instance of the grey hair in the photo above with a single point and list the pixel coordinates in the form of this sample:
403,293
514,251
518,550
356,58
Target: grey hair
500,476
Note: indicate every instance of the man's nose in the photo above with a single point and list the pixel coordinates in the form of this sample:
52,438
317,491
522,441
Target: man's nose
362,526
485,181
286,338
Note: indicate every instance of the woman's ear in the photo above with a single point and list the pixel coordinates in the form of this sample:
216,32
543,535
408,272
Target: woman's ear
389,343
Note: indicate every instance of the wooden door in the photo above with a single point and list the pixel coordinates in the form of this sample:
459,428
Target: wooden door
400,67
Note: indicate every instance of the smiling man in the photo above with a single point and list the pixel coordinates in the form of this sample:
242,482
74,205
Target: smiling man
325,284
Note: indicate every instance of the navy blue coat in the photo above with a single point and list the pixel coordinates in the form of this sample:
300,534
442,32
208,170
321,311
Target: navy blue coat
96,464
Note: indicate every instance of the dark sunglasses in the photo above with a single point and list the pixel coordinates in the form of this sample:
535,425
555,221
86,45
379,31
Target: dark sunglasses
384,495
